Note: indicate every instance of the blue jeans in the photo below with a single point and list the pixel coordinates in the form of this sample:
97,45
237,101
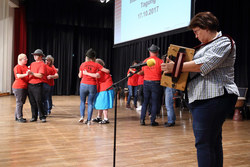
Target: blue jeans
151,90
50,97
46,97
90,91
208,118
169,102
132,91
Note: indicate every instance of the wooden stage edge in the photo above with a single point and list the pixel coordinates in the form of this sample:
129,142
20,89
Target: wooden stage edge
4,94
62,141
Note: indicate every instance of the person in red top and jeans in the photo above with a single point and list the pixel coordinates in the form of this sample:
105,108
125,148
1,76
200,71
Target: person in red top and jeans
87,72
35,86
132,85
51,75
151,86
20,85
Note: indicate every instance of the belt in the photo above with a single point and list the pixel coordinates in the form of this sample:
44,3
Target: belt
152,81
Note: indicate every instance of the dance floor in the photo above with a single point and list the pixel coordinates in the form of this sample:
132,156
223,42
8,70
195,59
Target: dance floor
64,142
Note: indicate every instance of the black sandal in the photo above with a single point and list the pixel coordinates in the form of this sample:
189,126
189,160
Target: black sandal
96,119
104,122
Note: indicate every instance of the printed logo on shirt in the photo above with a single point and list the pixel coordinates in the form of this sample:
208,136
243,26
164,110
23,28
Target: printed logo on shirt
90,68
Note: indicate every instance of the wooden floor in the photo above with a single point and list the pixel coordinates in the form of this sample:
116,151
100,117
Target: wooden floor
63,142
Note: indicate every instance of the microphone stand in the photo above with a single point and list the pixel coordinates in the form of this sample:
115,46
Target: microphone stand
114,86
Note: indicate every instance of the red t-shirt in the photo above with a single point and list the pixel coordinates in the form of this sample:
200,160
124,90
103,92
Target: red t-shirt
20,83
50,71
37,67
104,81
91,67
140,79
133,81
153,73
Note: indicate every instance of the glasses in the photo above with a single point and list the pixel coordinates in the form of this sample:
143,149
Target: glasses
196,30
25,59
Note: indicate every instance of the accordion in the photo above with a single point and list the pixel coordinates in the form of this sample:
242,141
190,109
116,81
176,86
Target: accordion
179,55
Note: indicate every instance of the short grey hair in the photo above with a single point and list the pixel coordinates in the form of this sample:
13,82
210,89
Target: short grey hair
50,58
100,61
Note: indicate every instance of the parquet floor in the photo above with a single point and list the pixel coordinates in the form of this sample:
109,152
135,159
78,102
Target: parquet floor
63,142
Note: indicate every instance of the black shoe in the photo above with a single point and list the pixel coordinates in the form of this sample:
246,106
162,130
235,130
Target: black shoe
22,120
128,106
142,122
97,119
169,124
33,119
87,122
43,120
154,124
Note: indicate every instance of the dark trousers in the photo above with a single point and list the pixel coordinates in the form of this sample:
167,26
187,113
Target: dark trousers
208,118
50,98
36,101
140,94
20,95
151,90
46,97
132,91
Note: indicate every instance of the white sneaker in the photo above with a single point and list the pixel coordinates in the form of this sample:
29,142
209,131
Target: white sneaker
139,108
81,120
138,103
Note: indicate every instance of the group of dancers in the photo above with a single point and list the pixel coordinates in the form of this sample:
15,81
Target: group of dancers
36,82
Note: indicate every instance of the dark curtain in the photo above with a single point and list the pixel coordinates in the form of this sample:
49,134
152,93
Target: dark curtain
58,42
98,39
66,30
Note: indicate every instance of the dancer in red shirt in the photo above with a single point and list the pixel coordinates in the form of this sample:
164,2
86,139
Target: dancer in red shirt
104,98
51,75
132,85
20,85
38,70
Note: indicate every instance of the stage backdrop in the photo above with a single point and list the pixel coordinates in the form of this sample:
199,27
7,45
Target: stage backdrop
66,29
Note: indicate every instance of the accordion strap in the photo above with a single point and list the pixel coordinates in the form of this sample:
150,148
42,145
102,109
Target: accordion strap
225,35
197,47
